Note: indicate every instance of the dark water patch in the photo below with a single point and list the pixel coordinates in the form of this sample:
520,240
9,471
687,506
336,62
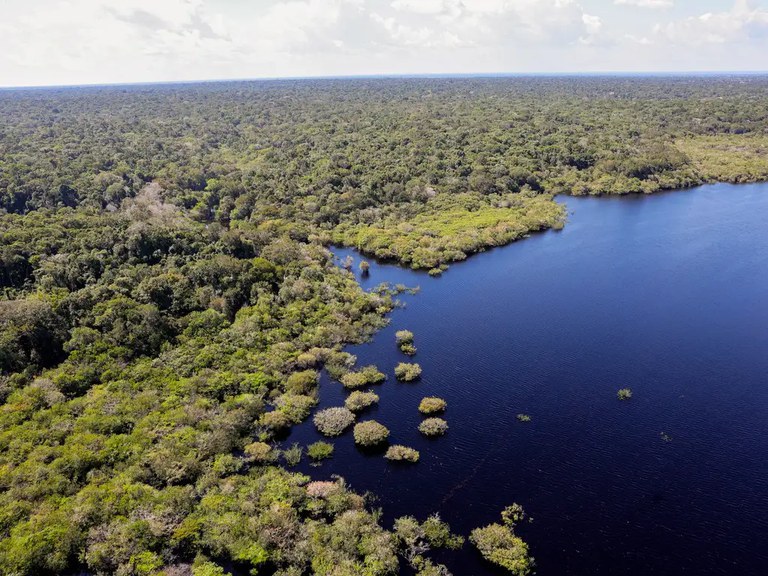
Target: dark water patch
666,295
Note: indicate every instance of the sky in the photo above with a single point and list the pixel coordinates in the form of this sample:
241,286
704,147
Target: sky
55,42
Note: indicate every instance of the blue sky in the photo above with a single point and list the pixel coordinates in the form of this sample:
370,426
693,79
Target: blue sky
103,41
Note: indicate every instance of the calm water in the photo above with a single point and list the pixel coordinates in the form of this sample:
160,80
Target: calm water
667,295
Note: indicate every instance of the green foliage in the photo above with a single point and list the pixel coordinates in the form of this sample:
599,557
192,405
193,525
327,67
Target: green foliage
499,544
404,337
433,427
366,376
449,228
405,342
408,349
166,299
320,450
205,568
416,539
305,381
352,545
728,157
333,421
31,334
135,395
370,433
624,394
358,401
432,405
296,407
276,421
398,453
292,456
406,372
260,452
523,418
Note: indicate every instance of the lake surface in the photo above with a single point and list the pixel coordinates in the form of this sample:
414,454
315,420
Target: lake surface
664,294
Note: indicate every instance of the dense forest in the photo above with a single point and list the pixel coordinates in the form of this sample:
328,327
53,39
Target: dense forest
168,298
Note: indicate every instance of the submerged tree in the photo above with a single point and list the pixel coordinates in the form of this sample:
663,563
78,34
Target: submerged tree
359,401
399,453
432,405
370,433
433,427
406,372
333,421
499,544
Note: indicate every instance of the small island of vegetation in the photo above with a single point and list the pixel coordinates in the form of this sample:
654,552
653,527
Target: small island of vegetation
405,342
333,421
358,401
432,405
320,450
370,433
433,427
406,372
499,544
400,453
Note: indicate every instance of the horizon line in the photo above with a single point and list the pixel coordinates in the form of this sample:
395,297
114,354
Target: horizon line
416,75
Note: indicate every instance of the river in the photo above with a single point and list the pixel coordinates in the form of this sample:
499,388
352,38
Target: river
664,294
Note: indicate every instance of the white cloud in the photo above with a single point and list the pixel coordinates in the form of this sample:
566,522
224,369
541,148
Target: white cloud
422,6
646,3
83,41
743,23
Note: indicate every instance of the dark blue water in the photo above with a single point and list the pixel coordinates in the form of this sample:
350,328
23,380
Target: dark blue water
666,295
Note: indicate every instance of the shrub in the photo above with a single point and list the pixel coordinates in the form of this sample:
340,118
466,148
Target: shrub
372,374
358,401
405,342
414,539
301,382
205,568
407,372
352,380
624,394
433,427
408,349
404,337
339,363
227,464
523,418
307,359
432,405
399,453
365,267
292,455
259,452
275,421
333,421
320,450
323,489
370,433
498,543
297,407
366,376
